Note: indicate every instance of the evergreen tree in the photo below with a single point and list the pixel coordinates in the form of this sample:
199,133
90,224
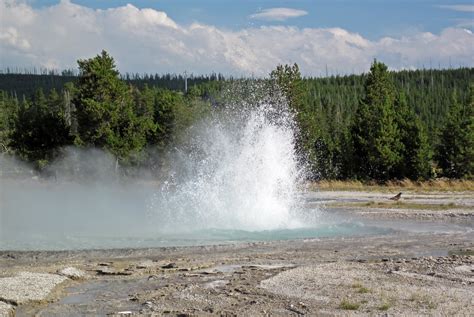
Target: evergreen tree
309,143
455,151
394,142
105,110
8,113
288,80
375,135
157,104
416,154
165,103
39,131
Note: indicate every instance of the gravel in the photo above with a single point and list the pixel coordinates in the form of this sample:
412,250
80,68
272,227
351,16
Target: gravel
72,273
409,290
6,310
27,286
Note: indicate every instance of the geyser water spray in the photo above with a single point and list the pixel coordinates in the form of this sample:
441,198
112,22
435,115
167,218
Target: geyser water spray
237,169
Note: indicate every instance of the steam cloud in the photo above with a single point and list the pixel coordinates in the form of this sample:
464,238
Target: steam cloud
235,170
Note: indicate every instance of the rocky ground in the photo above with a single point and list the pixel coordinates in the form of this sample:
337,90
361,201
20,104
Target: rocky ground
402,273
432,206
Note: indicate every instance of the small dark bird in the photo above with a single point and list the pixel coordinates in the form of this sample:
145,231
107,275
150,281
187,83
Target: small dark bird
396,197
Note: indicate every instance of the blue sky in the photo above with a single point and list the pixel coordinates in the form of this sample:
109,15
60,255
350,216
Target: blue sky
371,18
238,37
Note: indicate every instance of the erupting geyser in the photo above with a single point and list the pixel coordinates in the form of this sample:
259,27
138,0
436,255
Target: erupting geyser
237,170
234,175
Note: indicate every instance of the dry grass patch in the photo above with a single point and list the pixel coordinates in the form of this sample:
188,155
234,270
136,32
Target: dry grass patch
423,300
384,307
443,185
347,305
361,289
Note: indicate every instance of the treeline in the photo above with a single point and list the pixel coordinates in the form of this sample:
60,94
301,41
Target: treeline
428,92
381,125
98,110
26,84
380,133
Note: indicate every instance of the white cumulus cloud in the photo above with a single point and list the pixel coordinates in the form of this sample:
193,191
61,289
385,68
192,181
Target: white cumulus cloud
10,37
148,40
278,14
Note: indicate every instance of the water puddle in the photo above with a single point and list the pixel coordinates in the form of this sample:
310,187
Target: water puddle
98,298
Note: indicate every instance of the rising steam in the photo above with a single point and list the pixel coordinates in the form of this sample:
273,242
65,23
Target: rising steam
235,170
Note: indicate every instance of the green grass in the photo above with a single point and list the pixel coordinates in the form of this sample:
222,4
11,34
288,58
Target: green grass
361,289
384,307
346,305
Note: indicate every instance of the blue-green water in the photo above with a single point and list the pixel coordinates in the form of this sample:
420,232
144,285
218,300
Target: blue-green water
77,241
70,216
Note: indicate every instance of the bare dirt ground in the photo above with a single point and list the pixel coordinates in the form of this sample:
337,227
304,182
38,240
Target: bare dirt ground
402,273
